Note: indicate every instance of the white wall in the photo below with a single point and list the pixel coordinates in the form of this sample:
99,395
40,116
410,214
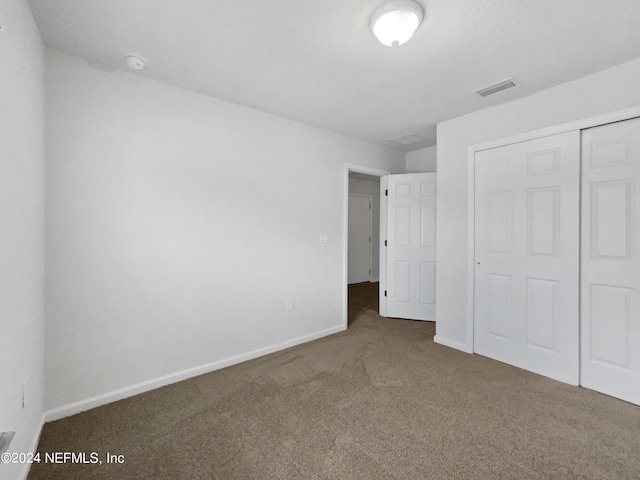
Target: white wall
603,92
422,161
371,187
177,227
22,227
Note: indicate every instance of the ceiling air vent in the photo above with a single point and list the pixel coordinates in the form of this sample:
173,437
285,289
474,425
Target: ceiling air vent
405,139
496,87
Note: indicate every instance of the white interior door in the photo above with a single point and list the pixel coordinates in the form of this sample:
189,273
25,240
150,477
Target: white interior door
610,283
411,246
359,238
527,255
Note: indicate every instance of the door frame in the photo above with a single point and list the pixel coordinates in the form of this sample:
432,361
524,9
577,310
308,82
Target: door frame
370,197
348,168
582,124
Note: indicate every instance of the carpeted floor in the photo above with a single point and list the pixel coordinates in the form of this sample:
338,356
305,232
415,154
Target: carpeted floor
379,401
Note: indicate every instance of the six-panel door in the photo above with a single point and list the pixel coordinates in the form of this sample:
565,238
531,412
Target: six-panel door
527,255
610,277
411,246
359,239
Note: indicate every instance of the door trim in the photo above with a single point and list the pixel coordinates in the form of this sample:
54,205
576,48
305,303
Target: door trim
582,124
352,167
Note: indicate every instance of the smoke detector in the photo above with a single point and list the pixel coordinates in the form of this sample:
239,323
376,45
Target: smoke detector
135,62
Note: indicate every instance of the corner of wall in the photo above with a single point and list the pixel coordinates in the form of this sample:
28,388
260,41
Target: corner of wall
23,221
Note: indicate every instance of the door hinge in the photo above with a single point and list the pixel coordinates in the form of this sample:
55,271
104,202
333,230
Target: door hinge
369,238
386,193
385,243
385,293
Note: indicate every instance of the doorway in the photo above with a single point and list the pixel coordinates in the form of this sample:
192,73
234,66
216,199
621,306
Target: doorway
362,225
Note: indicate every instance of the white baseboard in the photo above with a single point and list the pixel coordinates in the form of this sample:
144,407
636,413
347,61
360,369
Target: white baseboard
32,448
374,279
130,391
453,344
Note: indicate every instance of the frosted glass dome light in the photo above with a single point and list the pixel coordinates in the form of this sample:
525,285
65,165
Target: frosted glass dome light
394,22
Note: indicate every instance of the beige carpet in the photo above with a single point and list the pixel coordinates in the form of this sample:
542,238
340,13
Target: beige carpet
379,401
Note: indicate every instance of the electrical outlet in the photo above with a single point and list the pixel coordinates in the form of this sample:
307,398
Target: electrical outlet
5,440
324,237
288,305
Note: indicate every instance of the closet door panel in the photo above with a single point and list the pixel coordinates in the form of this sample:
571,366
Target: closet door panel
526,252
610,278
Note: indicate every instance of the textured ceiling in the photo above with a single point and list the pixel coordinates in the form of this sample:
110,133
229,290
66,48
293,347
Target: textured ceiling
318,63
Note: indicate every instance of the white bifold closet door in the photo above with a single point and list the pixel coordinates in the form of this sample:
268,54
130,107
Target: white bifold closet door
527,255
610,309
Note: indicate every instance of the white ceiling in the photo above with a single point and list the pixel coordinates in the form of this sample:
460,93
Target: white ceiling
318,63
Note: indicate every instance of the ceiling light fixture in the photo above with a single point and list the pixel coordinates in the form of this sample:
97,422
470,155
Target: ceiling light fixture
135,62
395,21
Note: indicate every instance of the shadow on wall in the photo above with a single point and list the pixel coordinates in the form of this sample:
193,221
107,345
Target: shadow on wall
422,161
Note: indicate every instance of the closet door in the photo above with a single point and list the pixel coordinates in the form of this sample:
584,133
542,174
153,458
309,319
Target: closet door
610,280
526,255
